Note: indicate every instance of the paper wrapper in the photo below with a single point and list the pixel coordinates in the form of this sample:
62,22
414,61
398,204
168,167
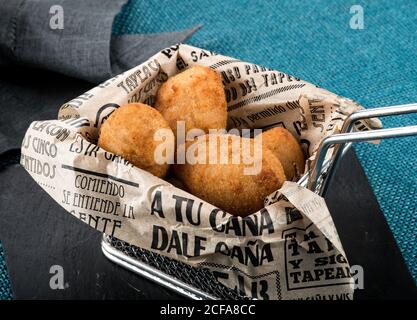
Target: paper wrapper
288,250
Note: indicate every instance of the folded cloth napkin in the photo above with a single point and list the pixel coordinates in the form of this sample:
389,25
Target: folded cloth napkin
74,37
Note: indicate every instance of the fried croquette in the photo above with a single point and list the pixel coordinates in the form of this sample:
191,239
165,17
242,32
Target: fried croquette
225,184
195,96
129,132
287,149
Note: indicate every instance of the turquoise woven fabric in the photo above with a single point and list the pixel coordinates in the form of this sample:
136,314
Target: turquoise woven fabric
5,291
376,66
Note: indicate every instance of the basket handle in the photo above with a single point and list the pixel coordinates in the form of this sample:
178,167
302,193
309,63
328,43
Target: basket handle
376,113
346,137
366,114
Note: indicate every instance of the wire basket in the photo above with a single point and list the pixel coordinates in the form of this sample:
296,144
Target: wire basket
200,283
202,280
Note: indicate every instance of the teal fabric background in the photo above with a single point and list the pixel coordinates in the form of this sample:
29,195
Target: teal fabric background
376,66
5,291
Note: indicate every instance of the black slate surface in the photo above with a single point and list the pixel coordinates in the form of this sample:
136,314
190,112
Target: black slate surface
37,233
365,234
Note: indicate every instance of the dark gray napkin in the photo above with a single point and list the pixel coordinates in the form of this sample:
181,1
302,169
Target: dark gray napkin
84,49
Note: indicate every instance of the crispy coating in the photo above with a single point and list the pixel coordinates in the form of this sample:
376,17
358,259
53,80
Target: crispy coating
195,96
226,185
287,149
129,132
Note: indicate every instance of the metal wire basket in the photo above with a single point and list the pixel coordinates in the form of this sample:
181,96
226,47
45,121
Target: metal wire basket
200,283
